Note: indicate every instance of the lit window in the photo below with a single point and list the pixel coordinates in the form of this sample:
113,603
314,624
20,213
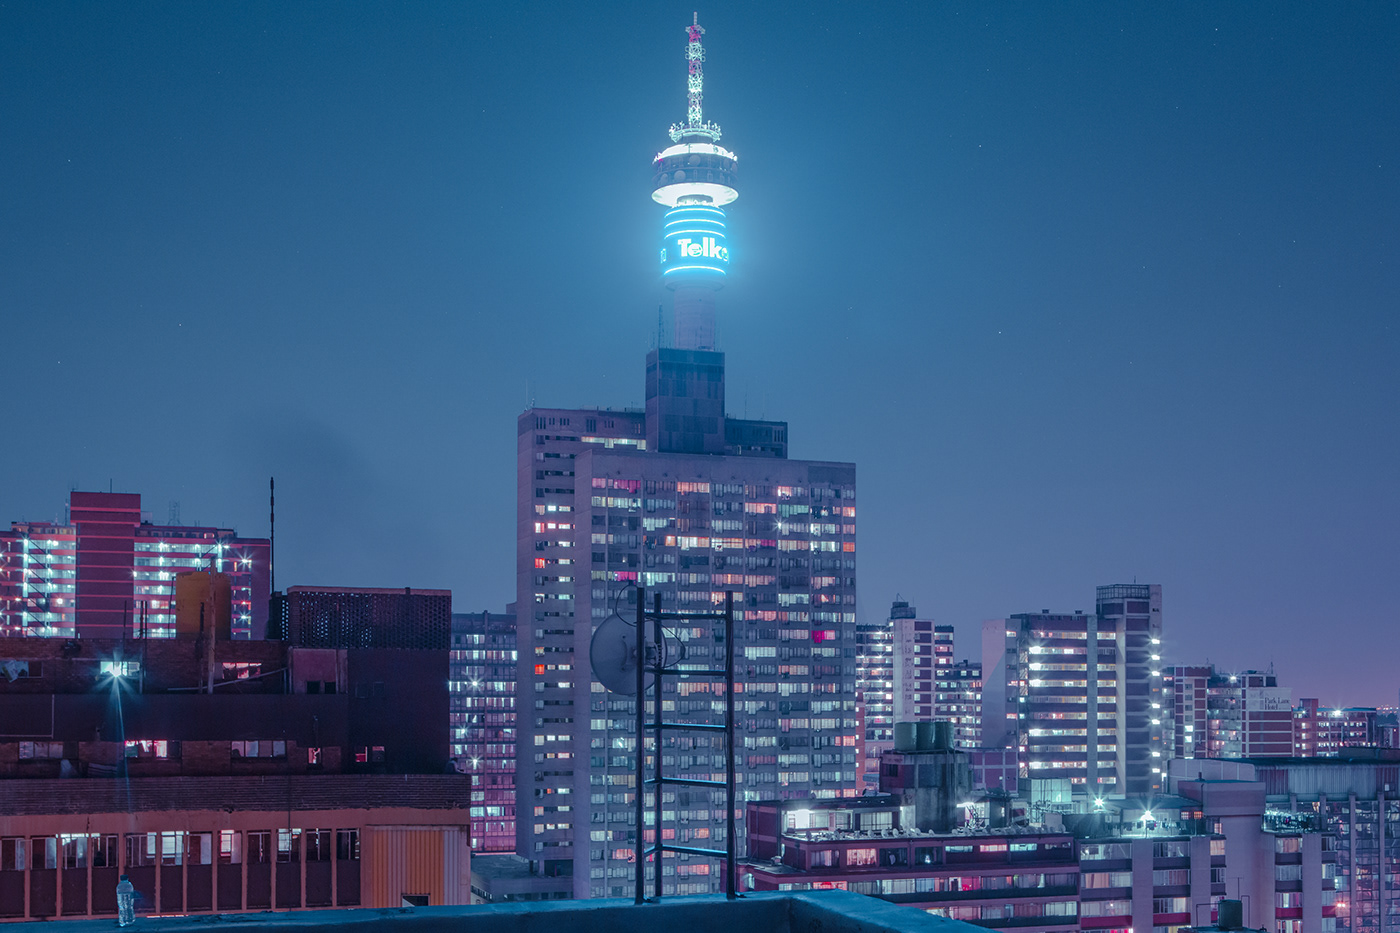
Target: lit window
147,748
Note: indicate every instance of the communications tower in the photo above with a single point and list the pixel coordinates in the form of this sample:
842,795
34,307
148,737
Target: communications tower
694,177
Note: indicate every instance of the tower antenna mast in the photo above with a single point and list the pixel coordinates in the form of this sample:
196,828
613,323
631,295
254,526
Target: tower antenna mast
695,124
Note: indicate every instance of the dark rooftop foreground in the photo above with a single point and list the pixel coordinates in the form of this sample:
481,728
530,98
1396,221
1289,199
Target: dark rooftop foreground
784,912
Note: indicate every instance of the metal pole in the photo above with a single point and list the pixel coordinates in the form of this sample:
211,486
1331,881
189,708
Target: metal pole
641,738
731,854
656,753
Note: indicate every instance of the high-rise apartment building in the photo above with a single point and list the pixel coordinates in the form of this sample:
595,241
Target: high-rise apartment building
482,715
881,689
958,700
1186,688
915,652
1130,618
690,503
927,683
1075,694
106,570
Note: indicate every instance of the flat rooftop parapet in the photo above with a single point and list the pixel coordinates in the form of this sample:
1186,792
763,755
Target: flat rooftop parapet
780,912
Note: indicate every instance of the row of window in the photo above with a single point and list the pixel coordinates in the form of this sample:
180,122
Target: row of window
161,749
228,847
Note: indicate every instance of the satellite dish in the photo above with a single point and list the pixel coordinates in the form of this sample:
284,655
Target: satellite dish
613,654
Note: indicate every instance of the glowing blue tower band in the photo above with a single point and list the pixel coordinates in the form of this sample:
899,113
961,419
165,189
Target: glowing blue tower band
695,179
692,243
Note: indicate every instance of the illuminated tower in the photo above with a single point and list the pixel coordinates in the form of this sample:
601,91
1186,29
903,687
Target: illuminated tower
694,177
692,504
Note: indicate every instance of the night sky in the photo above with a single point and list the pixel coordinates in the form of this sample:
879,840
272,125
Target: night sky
1089,292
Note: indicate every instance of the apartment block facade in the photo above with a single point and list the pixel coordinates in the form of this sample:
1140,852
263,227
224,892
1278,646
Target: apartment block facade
603,511
483,699
1080,696
1326,732
1219,714
958,700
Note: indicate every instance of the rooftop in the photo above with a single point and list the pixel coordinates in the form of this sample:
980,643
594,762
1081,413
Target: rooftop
828,911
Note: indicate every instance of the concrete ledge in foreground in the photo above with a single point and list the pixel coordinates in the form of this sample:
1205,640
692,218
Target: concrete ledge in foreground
767,912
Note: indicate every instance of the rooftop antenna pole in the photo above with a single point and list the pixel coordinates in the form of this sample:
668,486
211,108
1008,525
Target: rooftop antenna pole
695,124
271,529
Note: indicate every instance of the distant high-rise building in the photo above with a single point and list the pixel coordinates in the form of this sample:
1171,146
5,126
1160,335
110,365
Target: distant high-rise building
958,699
1130,617
107,571
880,684
1215,714
1075,693
1186,702
913,656
482,685
927,683
1326,732
690,503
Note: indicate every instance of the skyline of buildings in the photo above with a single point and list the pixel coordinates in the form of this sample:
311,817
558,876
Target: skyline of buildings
360,746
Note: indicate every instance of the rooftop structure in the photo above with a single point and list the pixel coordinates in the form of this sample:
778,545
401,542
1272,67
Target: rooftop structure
864,845
163,707
1353,800
1126,864
362,617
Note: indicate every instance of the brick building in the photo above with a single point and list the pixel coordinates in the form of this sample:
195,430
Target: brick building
224,776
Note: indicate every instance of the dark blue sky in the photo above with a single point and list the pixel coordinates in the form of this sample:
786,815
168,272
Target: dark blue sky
1089,292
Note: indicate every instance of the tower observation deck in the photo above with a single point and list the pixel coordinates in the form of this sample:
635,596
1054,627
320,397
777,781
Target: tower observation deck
694,177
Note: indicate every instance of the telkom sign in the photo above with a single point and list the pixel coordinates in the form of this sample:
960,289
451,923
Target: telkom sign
706,248
695,252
